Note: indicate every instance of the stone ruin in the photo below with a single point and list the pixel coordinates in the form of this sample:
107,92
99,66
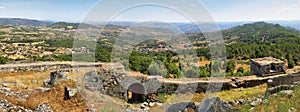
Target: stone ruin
266,66
138,89
287,82
56,76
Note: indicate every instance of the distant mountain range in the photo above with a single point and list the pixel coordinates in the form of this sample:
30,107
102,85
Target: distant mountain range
24,22
184,27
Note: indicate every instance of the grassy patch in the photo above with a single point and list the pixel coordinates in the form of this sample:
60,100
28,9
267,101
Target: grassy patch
281,103
242,93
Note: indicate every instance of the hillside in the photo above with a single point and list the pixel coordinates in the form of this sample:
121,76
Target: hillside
70,25
24,22
258,32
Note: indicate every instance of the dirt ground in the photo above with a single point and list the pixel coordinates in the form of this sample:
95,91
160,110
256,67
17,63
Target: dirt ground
87,99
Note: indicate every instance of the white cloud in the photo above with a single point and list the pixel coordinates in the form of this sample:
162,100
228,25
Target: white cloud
2,7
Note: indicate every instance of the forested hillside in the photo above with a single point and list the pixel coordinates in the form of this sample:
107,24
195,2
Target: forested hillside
258,40
258,32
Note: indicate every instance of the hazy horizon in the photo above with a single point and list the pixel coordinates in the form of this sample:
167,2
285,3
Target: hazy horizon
220,11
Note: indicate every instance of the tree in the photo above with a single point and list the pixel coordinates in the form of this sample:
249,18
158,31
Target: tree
230,66
291,63
173,69
3,60
139,63
204,71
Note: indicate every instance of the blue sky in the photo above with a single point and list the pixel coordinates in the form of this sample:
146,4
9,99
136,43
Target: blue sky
92,10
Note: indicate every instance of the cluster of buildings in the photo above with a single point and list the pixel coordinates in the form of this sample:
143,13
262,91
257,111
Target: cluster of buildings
159,48
28,50
26,42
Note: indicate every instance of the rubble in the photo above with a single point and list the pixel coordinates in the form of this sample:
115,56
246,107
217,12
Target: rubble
6,106
43,108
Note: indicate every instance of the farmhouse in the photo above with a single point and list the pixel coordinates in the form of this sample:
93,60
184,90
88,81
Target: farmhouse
266,66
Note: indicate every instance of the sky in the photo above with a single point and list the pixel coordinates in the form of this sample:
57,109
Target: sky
155,10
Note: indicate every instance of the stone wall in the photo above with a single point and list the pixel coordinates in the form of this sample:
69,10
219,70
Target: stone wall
290,79
44,66
118,83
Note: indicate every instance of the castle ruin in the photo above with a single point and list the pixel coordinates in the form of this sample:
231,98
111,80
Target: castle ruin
266,66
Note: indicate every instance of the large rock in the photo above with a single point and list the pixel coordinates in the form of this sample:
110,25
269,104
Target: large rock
42,89
56,77
92,81
179,107
288,93
276,89
256,102
214,104
69,92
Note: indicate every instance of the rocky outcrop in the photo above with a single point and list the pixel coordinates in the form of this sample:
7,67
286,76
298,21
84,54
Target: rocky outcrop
213,104
92,81
180,107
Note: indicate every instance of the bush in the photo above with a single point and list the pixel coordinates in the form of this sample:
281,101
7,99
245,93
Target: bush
291,63
230,66
3,60
161,97
240,69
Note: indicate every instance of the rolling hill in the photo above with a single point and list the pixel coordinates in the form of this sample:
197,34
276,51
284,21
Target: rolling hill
257,32
24,22
67,25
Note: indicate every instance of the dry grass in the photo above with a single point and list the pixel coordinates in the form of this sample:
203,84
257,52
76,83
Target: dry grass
203,63
96,100
242,93
245,66
227,95
26,78
54,97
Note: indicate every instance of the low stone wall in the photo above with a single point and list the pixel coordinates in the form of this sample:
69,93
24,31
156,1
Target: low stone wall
117,83
290,79
44,66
